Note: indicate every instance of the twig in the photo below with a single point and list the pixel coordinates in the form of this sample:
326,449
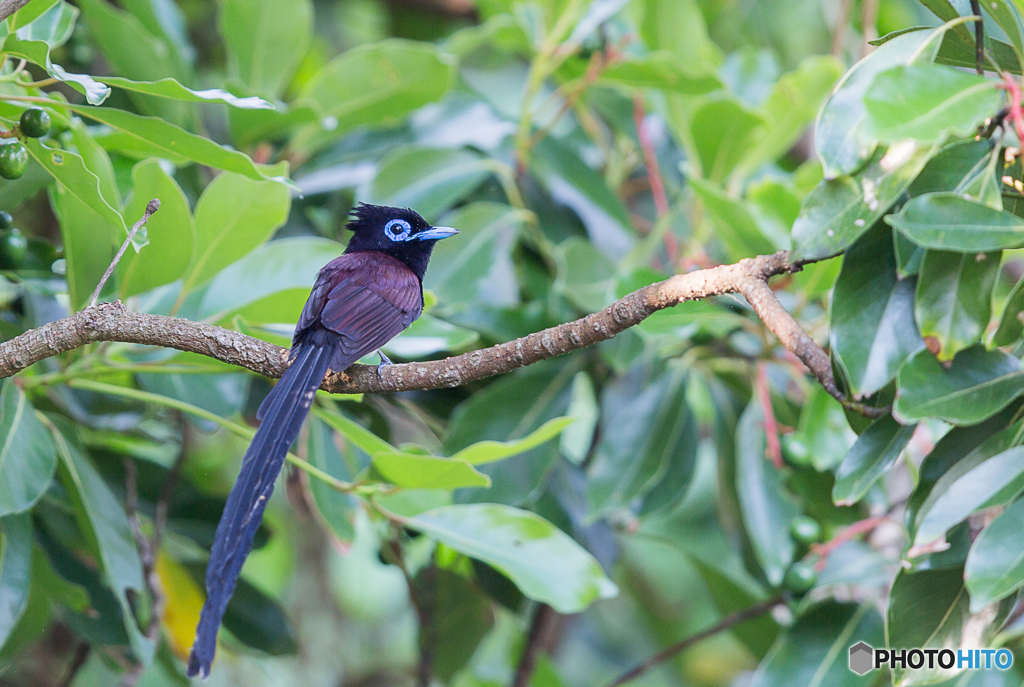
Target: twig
654,176
78,660
540,628
979,37
868,24
684,644
823,551
839,37
151,207
114,322
771,428
147,553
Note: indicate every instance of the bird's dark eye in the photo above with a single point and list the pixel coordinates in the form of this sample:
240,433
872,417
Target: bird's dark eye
397,230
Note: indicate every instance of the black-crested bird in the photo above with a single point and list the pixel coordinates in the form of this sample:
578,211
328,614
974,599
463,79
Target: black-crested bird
359,302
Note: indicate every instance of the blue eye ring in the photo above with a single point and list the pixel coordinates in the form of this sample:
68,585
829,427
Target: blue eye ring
397,230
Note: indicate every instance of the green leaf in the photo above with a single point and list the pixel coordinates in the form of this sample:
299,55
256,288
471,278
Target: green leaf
814,650
108,533
969,492
930,609
544,562
233,216
766,506
794,102
336,509
948,221
165,139
839,135
874,454
428,335
585,275
872,328
271,269
27,456
736,226
489,451
431,180
15,571
29,13
839,210
954,299
644,430
355,432
477,268
377,84
53,26
1010,325
76,179
170,88
657,70
265,43
38,52
995,563
417,471
723,130
975,386
171,232
461,618
578,437
146,57
928,102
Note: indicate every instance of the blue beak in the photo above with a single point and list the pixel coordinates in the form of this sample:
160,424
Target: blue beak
435,234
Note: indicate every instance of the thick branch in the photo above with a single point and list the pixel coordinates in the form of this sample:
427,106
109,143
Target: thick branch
114,322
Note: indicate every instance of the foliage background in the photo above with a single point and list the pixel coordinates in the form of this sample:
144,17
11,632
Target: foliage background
584,149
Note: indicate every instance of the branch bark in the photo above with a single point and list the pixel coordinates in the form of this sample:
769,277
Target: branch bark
749,277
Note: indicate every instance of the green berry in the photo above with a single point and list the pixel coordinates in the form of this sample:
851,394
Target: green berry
13,160
795,449
13,246
800,578
6,221
34,122
804,529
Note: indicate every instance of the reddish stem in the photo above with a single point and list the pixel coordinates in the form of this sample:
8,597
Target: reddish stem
1016,114
771,427
856,529
654,175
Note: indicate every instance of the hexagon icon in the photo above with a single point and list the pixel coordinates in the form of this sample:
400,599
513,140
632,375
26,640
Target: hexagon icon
861,658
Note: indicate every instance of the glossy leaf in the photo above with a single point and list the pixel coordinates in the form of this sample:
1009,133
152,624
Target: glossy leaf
930,609
163,138
335,508
927,102
872,328
736,225
170,88
38,52
355,432
1010,326
765,505
954,299
578,437
723,130
431,180
995,564
76,180
103,521
874,454
379,83
233,216
27,455
265,41
171,232
417,471
15,571
545,563
839,135
814,650
967,493
948,221
490,451
977,385
840,210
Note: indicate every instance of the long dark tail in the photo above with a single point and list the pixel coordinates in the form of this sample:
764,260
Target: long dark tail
282,414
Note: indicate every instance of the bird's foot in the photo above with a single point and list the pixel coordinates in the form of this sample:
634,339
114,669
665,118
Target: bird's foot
384,362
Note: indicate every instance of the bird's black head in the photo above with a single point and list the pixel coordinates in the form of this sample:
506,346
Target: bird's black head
399,232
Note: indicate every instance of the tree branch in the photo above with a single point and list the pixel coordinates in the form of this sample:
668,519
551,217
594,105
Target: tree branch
749,277
9,7
725,623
